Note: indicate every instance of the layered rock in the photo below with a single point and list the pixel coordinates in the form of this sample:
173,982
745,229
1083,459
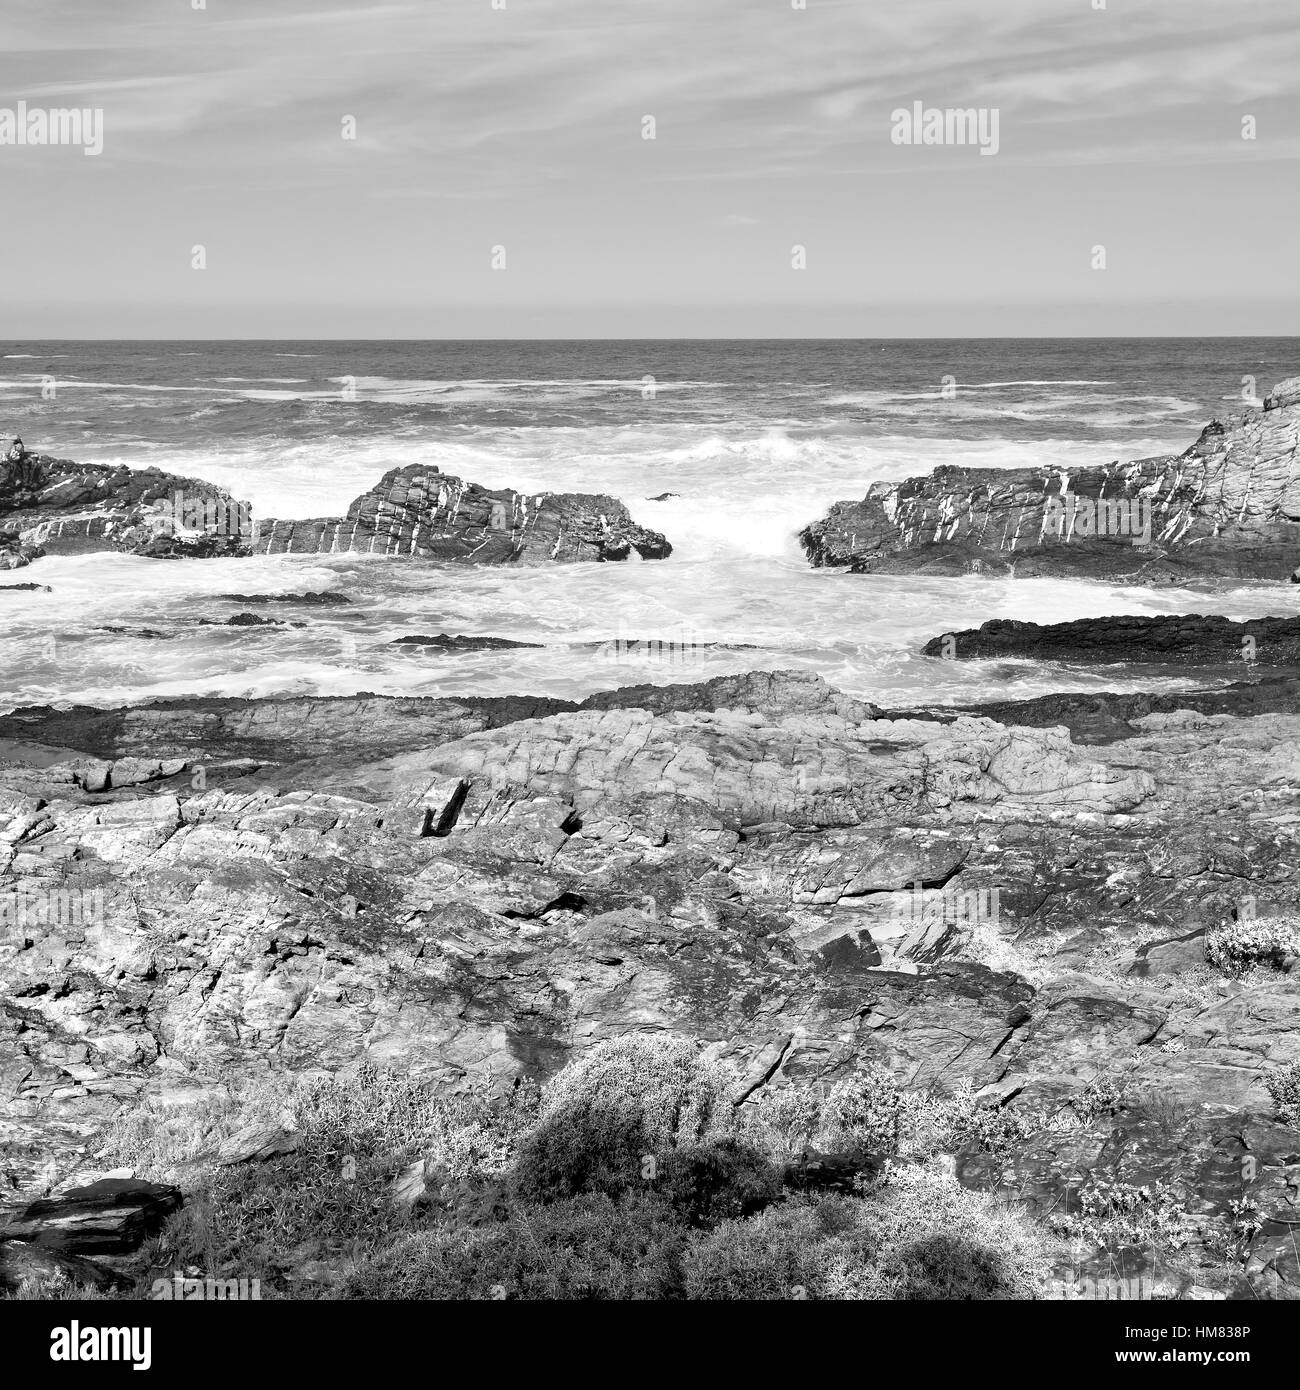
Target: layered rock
59,507
15,553
418,511
472,891
1228,506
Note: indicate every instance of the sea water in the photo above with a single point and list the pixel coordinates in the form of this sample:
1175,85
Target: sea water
753,439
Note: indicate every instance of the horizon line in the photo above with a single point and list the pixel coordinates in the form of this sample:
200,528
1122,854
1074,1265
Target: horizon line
690,337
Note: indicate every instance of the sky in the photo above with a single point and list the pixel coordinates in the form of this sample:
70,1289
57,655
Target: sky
516,133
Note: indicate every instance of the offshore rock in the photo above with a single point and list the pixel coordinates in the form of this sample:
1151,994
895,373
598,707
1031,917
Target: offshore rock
59,507
1229,506
418,511
1188,639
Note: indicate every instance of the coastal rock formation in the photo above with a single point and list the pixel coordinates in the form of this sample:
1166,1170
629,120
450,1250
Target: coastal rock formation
475,891
1228,506
15,553
1182,639
421,512
59,507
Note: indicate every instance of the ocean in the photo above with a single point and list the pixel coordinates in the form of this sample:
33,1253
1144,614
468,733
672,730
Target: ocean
754,438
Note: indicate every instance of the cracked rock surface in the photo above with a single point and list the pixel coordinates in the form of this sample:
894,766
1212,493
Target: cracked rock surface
472,891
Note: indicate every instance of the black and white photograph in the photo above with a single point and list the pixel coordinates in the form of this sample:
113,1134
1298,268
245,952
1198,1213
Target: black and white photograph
649,652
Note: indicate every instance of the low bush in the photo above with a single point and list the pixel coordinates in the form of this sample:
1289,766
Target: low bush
1238,946
799,1249
717,1180
945,1266
917,1235
626,1101
1284,1088
330,1198
861,1115
1116,1214
592,1246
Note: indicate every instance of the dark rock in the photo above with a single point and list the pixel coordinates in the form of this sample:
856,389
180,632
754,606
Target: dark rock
444,642
57,506
418,511
247,620
15,551
31,588
320,599
1189,640
1228,506
37,1266
66,508
110,1217
1170,957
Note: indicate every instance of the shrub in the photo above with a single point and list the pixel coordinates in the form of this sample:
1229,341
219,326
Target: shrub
588,1247
933,1122
1284,1088
260,1219
918,1235
861,1115
1115,1214
792,1250
717,1180
944,1266
1102,1096
624,1101
1237,946
934,1233
782,1120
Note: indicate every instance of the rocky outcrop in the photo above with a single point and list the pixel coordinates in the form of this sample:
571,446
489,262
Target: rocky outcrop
418,511
15,553
71,1233
111,1216
1184,640
473,891
1228,506
58,507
